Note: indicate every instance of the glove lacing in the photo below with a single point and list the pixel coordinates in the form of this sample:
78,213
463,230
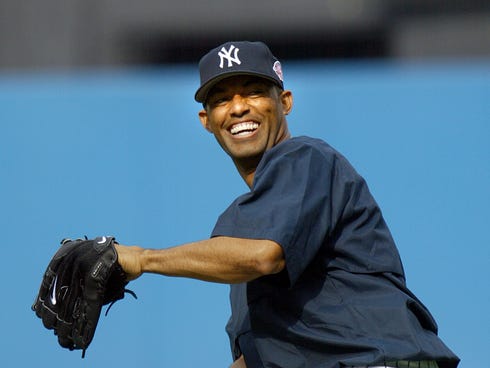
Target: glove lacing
130,292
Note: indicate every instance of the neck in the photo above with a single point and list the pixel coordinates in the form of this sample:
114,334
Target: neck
247,169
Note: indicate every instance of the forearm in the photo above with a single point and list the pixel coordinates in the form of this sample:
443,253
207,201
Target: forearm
220,259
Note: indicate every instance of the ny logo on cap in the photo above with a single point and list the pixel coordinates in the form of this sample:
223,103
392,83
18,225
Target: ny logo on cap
226,54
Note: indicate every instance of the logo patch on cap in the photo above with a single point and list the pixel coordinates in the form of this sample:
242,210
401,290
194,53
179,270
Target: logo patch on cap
226,54
278,69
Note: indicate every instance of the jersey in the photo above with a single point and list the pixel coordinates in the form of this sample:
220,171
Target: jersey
342,297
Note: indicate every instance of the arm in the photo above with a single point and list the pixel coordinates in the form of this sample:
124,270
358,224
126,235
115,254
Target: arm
220,259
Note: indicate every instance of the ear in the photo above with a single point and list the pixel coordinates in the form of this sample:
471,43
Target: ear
286,101
203,118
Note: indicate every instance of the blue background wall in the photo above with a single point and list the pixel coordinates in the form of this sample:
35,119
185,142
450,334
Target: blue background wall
122,153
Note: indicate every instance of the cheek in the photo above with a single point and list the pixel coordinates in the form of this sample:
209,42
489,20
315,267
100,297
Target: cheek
269,108
272,113
212,124
216,117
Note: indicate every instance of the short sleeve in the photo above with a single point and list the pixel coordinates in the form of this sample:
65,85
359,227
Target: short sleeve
288,203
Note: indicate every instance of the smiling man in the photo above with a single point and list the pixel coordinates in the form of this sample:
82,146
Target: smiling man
316,279
247,115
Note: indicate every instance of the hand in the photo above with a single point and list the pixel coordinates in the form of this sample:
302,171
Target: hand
129,257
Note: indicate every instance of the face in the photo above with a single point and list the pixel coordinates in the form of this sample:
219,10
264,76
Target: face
247,116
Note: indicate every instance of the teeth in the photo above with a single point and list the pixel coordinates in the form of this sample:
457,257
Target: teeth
243,128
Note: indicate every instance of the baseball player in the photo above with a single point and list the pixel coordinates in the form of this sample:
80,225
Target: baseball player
316,279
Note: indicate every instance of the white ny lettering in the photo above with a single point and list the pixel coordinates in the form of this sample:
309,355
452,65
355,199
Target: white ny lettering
224,54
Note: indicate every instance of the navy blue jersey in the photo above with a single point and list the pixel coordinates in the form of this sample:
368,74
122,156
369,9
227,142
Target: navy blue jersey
342,297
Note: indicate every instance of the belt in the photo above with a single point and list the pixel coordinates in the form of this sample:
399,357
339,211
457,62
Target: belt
404,364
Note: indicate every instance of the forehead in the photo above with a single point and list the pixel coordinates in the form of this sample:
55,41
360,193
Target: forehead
238,81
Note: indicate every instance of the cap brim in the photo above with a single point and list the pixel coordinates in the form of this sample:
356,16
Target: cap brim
203,91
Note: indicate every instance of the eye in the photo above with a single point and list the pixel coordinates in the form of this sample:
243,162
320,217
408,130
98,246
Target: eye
219,100
256,92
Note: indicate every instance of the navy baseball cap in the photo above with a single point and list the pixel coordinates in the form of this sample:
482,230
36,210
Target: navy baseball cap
237,58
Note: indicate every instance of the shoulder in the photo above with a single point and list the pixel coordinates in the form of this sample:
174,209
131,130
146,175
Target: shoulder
302,143
304,149
298,148
310,157
299,159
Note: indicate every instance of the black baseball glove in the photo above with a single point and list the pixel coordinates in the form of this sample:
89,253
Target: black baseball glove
83,276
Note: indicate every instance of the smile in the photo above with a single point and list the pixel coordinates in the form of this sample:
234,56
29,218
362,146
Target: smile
244,128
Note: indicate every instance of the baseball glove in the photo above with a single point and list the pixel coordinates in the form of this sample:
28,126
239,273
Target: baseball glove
82,276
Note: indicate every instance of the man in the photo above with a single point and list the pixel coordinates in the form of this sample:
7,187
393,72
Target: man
316,279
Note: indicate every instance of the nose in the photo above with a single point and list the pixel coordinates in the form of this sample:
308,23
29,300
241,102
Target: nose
239,105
